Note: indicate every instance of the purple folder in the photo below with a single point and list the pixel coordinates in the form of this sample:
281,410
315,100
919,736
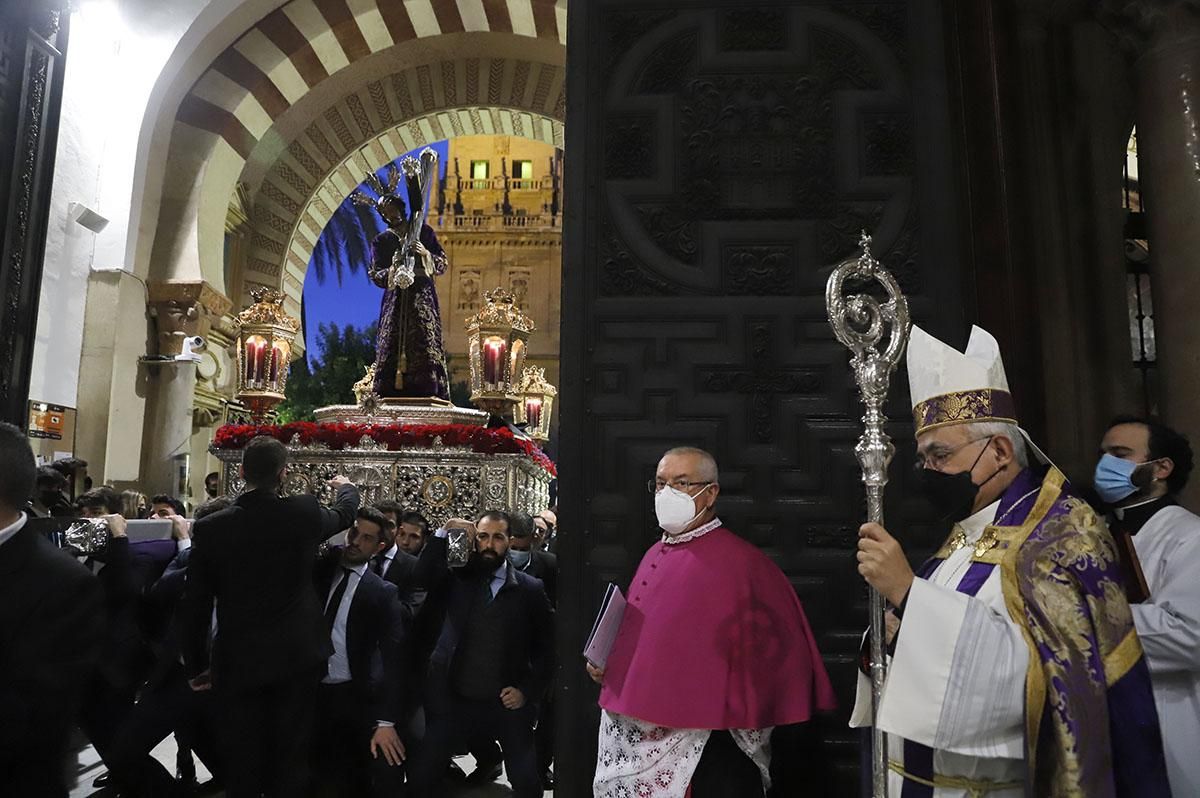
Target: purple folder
604,630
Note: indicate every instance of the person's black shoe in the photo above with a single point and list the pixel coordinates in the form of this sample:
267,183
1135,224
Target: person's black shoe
454,772
103,781
485,774
548,780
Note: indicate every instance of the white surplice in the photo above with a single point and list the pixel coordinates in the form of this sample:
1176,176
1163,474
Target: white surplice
957,680
1168,546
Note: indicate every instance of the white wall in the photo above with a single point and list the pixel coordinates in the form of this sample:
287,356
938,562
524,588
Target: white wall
117,50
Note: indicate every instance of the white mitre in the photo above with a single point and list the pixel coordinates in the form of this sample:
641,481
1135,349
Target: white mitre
952,387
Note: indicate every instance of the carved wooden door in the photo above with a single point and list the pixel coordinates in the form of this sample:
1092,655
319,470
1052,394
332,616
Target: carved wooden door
722,157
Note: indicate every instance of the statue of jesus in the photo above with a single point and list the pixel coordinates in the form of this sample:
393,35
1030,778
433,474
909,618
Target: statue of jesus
409,358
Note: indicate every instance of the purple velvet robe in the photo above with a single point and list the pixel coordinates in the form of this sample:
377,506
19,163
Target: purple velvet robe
409,357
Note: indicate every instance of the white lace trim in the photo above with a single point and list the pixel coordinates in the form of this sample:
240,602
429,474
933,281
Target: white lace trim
640,760
699,531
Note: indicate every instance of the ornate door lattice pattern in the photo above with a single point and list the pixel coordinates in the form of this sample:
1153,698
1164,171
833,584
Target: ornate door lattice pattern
725,158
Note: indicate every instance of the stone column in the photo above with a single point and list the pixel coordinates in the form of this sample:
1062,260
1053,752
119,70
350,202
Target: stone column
1166,41
180,310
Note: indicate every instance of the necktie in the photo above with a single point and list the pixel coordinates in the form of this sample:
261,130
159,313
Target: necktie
335,601
379,561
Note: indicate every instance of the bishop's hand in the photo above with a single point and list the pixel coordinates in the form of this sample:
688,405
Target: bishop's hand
882,563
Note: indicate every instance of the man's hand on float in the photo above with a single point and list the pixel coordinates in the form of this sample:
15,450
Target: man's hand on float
339,482
116,524
597,674
201,683
385,741
882,563
180,527
512,698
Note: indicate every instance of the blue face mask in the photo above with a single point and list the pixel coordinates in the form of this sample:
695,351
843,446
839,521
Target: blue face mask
1114,478
519,559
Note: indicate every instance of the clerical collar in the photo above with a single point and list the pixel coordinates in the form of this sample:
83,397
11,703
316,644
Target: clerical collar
699,531
1130,520
974,524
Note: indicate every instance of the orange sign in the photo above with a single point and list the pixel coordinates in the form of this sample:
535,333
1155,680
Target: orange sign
47,421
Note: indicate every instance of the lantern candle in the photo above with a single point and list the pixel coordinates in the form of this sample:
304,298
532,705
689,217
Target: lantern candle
533,411
493,357
260,351
249,365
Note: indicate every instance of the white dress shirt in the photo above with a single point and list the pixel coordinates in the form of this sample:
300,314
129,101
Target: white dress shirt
388,557
499,577
13,528
339,662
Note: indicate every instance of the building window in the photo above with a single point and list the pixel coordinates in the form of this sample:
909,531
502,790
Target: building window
479,170
523,170
1138,263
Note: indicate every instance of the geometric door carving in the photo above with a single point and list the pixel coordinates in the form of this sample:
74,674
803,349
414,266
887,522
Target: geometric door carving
723,158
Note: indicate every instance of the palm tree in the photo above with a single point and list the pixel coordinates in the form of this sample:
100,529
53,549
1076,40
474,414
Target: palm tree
344,246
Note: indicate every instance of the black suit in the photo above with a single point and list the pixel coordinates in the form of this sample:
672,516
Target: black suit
51,628
125,657
348,713
520,654
256,560
166,704
544,566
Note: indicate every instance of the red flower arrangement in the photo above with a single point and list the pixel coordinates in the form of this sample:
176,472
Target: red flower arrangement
341,436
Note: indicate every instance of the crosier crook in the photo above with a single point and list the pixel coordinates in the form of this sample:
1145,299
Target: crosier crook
860,322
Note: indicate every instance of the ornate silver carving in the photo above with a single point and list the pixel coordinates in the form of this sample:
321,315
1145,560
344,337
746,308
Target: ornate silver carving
862,323
88,535
439,483
391,412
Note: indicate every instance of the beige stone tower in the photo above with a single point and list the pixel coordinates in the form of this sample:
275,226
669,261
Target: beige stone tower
498,213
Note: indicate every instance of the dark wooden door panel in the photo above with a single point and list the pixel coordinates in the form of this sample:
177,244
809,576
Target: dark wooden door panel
722,158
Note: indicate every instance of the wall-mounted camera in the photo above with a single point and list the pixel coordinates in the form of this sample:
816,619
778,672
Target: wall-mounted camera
192,345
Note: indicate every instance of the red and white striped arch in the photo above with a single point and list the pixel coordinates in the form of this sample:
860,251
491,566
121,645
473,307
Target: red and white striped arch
317,91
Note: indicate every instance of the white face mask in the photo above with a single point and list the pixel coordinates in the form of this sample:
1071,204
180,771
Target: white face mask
675,509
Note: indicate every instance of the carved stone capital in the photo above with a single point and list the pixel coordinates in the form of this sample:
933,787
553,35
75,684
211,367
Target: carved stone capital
184,309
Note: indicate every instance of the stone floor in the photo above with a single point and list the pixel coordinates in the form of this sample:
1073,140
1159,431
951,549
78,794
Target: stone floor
89,767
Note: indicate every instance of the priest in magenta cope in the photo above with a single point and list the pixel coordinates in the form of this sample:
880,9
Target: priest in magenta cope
713,653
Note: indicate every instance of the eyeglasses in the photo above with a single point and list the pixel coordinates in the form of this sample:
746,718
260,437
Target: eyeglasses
937,456
682,485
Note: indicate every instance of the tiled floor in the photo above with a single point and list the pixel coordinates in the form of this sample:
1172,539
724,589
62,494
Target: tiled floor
89,767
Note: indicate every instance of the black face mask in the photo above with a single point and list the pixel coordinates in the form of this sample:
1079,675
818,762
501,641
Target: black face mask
953,495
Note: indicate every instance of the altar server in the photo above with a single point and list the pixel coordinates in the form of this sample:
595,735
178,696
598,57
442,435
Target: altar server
1144,467
1016,668
713,652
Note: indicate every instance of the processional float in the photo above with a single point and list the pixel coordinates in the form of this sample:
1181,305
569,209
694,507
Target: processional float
431,456
875,331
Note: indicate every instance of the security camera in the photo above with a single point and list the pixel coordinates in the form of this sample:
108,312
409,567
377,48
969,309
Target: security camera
191,346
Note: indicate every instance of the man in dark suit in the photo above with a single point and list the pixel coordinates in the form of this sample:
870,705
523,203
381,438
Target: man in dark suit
526,556
255,561
412,533
491,664
51,626
359,704
167,703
